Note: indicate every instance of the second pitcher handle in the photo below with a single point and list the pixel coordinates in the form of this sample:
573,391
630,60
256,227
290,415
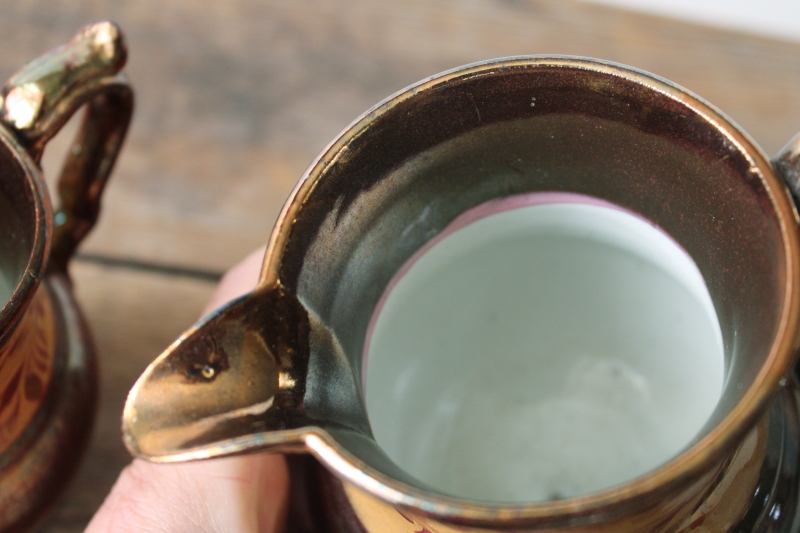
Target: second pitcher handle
41,97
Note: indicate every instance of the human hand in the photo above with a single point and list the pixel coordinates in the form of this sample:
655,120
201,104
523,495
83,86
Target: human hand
245,494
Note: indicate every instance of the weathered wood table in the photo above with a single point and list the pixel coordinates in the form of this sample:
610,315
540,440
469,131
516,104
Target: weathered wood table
235,98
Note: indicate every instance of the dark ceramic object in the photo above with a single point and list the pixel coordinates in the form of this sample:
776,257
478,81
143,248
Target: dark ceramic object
48,377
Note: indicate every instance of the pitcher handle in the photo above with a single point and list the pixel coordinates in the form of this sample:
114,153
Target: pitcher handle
41,97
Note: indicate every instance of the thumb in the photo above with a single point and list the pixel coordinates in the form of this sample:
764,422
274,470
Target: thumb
245,494
239,495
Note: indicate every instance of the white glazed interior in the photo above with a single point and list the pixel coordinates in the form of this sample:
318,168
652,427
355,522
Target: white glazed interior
543,346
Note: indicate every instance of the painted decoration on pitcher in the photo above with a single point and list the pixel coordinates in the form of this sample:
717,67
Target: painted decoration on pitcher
26,367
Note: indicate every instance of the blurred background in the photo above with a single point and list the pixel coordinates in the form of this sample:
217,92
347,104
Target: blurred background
236,97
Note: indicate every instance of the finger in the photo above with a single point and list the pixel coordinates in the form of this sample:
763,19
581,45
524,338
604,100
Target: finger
244,494
241,494
239,280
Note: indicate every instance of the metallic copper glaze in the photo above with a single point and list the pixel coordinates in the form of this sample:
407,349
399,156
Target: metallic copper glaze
447,144
48,377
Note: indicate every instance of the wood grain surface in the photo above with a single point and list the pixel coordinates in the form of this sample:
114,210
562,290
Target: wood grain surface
236,97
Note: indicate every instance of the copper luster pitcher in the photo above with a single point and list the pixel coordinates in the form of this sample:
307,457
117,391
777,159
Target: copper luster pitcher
280,369
48,381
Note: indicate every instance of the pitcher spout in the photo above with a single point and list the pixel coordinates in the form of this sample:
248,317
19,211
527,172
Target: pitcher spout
235,381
